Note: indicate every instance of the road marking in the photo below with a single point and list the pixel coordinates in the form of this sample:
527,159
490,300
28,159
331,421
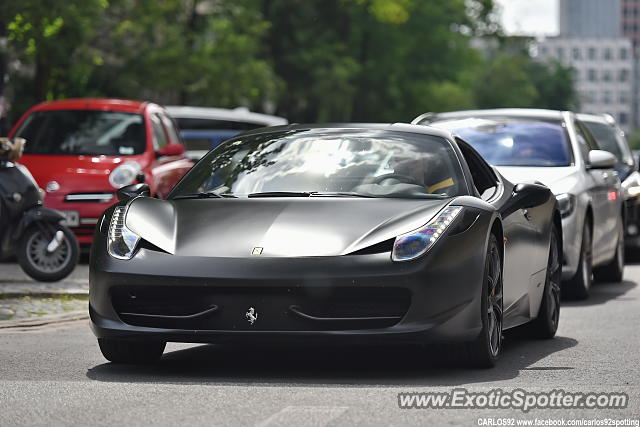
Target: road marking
304,416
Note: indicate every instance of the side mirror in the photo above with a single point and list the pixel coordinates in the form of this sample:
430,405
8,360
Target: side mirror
530,195
133,190
171,149
600,159
526,195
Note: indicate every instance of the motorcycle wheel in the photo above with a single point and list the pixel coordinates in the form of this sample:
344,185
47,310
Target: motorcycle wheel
39,262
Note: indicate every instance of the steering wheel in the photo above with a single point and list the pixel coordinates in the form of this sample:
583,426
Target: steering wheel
402,178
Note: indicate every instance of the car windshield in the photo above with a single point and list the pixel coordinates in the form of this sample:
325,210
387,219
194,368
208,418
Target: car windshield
608,139
514,142
83,132
316,162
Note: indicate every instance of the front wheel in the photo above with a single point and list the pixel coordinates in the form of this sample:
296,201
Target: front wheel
48,253
484,351
131,352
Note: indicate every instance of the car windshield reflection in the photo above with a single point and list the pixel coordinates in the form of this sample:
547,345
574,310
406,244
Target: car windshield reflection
514,142
369,163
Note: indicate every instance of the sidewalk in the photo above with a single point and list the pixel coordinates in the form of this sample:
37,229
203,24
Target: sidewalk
26,303
14,282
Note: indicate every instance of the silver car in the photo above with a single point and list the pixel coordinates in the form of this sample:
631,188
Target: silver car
611,138
203,128
558,150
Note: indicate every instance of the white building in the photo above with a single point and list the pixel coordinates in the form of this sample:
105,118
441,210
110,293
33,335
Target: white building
604,73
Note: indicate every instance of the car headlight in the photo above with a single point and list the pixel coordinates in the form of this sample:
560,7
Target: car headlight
566,203
124,174
631,185
121,241
416,243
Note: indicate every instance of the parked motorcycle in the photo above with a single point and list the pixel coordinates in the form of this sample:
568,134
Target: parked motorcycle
46,249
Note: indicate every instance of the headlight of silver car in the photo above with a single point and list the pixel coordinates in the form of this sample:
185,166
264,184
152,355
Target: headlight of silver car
416,243
631,185
566,203
121,241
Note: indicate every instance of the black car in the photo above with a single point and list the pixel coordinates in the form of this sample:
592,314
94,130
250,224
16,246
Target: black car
611,138
329,234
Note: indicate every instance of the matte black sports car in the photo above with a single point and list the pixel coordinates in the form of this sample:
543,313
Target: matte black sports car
337,233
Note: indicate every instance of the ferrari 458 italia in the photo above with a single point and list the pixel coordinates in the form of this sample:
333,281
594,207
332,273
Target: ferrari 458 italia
326,234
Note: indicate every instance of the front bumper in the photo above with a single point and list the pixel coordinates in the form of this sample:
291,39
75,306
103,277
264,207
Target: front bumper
342,299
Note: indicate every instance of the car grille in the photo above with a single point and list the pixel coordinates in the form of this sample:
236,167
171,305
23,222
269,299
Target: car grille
276,309
103,197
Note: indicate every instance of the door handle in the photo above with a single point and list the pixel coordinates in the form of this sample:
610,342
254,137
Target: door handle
526,214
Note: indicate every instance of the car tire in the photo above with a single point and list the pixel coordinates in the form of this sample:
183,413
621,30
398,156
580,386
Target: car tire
484,351
44,266
546,324
613,271
131,352
580,285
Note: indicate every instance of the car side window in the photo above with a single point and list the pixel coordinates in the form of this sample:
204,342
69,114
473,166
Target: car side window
159,136
484,180
174,136
583,141
591,140
584,137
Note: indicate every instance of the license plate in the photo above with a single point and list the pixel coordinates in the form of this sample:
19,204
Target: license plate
71,218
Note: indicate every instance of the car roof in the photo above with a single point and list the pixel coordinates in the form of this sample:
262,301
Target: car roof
398,127
508,112
111,104
597,118
240,114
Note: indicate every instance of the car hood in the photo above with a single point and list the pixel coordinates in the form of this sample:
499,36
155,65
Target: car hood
74,173
558,179
275,227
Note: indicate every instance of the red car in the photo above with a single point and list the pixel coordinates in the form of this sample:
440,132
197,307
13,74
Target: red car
80,151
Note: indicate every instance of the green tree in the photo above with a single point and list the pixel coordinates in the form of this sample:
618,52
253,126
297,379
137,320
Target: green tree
52,42
555,85
186,51
506,83
309,60
634,140
373,60
171,51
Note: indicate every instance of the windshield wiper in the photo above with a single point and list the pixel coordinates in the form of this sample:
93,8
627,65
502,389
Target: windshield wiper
339,194
202,195
281,194
307,194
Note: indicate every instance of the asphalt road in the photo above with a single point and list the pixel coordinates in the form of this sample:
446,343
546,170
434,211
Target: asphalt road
55,375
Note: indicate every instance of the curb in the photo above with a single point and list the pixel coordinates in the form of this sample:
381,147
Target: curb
44,320
45,294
